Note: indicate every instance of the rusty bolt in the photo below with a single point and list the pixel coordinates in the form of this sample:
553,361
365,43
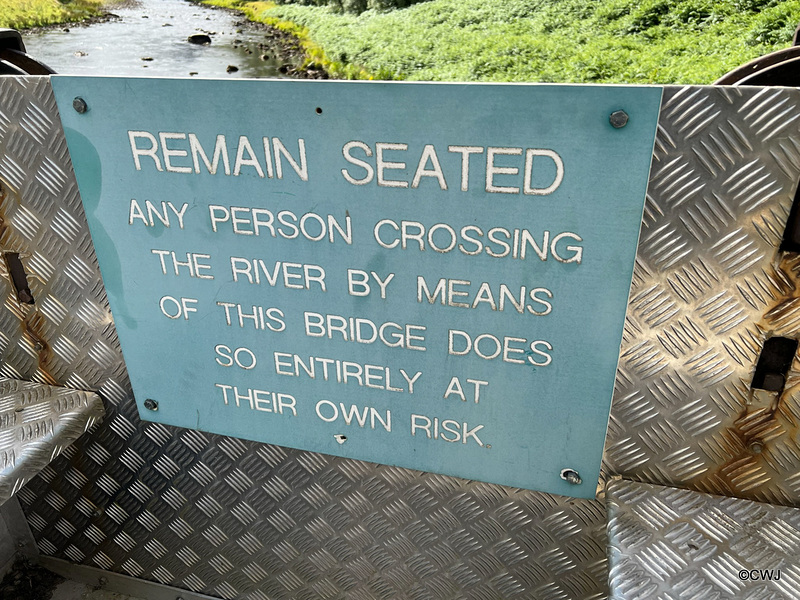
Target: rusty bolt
618,119
571,476
79,104
151,404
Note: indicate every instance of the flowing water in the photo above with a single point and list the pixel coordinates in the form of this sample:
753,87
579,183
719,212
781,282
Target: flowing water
150,38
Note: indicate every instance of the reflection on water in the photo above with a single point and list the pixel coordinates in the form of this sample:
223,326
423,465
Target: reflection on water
150,39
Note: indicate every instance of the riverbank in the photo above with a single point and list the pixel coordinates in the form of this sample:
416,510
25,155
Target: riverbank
24,14
564,41
298,38
152,38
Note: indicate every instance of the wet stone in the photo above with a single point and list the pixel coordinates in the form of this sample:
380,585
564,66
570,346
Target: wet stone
200,39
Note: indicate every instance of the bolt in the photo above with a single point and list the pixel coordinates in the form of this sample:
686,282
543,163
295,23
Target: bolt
756,447
102,581
571,476
79,104
618,119
151,404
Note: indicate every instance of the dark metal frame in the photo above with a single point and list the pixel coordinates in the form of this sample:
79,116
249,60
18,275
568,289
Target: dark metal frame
13,58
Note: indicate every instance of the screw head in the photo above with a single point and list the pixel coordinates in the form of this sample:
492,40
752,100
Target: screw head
571,476
618,119
151,404
79,104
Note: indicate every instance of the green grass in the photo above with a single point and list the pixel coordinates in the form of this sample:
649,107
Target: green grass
605,41
19,14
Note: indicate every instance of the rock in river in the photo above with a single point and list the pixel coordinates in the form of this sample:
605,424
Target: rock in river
200,38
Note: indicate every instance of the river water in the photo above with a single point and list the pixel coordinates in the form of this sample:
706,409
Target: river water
150,38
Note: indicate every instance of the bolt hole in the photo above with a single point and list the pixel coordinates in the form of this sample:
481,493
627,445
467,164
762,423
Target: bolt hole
571,476
319,110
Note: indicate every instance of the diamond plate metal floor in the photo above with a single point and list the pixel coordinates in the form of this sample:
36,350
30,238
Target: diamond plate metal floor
236,519
670,543
37,423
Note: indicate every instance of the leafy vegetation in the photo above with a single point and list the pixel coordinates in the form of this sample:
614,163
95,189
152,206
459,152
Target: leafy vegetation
20,14
605,41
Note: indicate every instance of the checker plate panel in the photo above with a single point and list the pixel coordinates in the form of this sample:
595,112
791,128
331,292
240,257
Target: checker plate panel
669,543
37,423
243,520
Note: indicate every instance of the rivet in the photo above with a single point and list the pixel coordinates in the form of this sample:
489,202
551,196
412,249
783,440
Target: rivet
151,404
79,104
571,476
618,119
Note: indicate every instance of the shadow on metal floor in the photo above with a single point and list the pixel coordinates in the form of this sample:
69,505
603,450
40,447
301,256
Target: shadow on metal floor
72,590
32,582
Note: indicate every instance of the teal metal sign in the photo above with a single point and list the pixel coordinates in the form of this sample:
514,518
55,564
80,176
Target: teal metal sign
433,276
